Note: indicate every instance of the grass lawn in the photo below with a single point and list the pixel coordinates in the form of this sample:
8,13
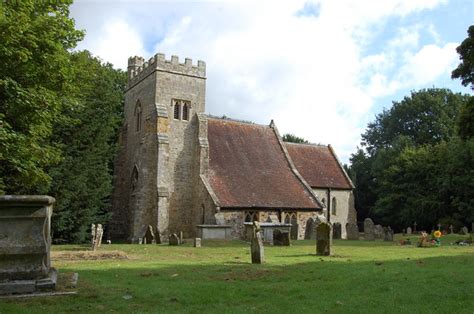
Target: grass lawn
361,277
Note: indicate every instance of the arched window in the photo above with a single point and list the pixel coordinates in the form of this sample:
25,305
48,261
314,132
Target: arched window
177,109
334,206
185,111
134,179
138,116
251,216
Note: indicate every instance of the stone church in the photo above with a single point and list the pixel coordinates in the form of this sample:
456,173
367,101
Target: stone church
178,168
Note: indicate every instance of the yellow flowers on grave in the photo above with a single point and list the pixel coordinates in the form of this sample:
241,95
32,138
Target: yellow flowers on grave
437,234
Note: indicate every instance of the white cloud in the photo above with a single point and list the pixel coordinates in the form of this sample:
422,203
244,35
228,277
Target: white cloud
309,73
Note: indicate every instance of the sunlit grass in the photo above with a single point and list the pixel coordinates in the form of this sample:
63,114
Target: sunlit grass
360,277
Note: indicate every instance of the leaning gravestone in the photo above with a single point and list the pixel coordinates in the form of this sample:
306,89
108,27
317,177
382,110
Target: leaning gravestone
369,230
337,230
174,239
97,232
323,239
352,231
256,247
409,232
379,232
281,238
149,236
388,234
25,244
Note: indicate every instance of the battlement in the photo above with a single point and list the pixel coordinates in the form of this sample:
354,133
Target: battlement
139,69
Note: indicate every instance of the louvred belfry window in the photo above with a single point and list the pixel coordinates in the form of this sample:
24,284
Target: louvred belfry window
177,109
185,111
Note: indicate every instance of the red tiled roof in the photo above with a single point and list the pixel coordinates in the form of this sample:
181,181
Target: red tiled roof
248,168
318,165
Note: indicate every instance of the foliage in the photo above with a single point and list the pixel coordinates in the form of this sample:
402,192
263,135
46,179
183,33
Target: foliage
416,169
34,77
465,70
294,139
82,182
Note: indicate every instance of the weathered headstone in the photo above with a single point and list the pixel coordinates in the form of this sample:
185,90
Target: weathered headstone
451,229
96,232
352,231
464,230
337,230
256,247
310,232
181,237
388,234
157,236
281,238
369,232
25,244
323,239
197,242
174,239
409,231
379,232
150,235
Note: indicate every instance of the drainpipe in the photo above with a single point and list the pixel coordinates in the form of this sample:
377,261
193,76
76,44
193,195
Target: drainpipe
329,204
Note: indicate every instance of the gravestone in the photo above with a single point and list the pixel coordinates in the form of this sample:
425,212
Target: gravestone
181,237
323,239
369,232
310,232
337,230
150,236
174,239
281,238
352,231
451,229
388,234
157,236
379,232
464,230
197,242
97,232
25,244
409,231
256,247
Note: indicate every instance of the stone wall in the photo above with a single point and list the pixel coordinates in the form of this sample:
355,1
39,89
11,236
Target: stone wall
345,211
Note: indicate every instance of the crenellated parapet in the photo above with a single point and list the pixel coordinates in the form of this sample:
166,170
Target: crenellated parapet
138,69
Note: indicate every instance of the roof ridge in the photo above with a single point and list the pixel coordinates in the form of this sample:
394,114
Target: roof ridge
226,118
307,144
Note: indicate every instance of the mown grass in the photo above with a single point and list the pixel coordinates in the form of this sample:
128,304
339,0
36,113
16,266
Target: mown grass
361,277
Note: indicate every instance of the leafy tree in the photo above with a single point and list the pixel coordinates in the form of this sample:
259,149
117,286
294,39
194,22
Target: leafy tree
82,182
426,117
294,139
465,70
34,78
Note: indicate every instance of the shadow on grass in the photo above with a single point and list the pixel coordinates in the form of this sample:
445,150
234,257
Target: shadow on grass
210,284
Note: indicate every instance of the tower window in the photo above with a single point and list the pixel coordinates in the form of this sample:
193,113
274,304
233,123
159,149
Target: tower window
138,116
134,180
185,111
177,109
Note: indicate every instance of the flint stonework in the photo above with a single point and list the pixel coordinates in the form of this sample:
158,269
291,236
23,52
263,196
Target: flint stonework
25,243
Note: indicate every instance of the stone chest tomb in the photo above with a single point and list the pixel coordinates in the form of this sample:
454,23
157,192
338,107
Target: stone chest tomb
25,243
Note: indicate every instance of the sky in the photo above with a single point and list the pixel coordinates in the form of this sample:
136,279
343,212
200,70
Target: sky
322,70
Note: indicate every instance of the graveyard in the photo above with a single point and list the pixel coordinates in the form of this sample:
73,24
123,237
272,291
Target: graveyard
359,276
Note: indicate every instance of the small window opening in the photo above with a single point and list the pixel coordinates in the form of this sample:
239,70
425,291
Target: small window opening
138,116
334,206
177,110
185,111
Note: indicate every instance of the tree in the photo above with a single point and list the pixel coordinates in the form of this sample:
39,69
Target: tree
427,116
34,78
87,133
465,70
293,139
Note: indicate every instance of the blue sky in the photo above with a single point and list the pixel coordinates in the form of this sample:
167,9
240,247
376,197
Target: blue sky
321,69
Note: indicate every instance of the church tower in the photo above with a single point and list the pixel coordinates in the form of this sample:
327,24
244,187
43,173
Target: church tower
158,161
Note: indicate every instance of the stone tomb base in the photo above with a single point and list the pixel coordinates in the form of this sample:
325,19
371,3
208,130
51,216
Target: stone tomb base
30,286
